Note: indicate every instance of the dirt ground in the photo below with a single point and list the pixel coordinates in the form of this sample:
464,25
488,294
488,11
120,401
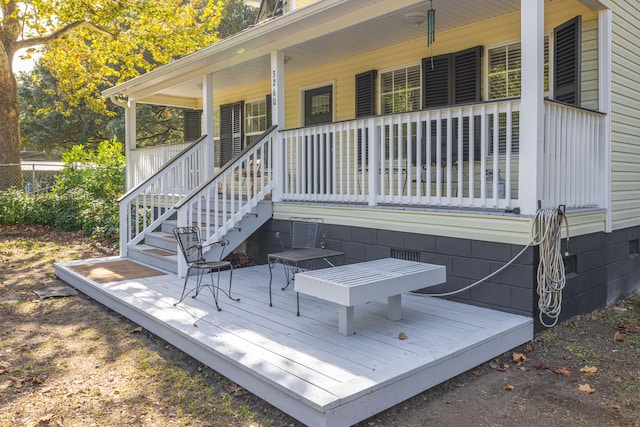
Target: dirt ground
69,361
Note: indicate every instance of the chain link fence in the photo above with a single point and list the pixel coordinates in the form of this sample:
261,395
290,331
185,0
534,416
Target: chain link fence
35,176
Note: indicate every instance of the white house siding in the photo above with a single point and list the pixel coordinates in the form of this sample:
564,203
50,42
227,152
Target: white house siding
625,115
590,64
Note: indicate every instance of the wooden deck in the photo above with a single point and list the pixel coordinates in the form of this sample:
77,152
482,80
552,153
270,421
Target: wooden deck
301,364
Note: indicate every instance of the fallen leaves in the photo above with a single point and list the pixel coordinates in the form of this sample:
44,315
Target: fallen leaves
586,388
589,370
518,358
562,371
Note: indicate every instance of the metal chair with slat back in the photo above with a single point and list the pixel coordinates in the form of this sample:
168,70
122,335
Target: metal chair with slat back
192,249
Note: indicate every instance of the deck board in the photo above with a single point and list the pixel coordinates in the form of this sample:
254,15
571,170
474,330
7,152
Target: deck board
301,364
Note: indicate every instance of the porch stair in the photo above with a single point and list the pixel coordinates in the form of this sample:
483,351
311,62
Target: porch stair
230,203
160,249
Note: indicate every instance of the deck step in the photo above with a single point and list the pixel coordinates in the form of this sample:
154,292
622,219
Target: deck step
161,240
157,257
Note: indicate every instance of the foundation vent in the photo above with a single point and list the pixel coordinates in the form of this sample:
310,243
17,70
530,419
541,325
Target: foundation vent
405,254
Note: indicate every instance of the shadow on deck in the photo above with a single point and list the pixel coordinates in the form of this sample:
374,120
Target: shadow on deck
302,365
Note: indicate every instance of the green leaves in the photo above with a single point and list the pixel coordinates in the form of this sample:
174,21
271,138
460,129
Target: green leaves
84,197
99,172
136,36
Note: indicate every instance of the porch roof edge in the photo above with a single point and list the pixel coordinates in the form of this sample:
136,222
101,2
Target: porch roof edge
228,47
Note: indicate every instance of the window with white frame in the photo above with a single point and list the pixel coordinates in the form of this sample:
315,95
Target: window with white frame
400,90
255,113
504,70
504,80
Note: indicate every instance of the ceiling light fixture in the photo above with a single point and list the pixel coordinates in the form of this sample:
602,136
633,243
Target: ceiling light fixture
415,18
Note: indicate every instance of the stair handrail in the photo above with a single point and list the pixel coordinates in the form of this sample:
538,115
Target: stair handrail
149,203
220,203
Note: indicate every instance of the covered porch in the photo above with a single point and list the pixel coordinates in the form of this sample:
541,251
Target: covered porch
301,364
510,155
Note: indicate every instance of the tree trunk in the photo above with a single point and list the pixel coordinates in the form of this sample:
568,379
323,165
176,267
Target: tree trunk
10,170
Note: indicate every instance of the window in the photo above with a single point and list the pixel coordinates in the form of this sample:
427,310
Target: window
255,113
400,90
504,74
504,77
318,105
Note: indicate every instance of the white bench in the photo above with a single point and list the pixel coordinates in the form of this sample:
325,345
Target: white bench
352,284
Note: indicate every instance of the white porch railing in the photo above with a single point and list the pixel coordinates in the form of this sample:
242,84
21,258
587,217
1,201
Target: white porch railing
220,203
462,156
444,157
574,156
148,204
146,161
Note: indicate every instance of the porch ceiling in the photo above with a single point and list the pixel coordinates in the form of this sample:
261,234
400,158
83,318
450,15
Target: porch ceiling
323,32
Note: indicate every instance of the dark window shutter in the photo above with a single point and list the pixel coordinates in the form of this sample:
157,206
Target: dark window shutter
231,131
436,84
269,111
366,94
448,80
567,61
466,70
226,134
192,125
237,127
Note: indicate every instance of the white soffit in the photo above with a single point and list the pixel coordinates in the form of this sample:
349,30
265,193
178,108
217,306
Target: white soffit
326,31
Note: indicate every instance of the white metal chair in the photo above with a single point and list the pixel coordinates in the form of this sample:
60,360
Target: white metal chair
192,249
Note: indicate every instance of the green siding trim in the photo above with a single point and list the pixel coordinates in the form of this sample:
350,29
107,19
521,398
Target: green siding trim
491,227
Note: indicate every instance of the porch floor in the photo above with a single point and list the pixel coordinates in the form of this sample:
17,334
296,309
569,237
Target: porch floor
302,365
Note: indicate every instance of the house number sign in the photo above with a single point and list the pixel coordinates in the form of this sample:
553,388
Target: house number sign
274,87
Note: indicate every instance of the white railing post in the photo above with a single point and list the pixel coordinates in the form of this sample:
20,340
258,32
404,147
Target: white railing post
278,166
373,156
124,229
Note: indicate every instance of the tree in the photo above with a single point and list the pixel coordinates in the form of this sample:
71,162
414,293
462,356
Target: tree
236,17
48,124
92,45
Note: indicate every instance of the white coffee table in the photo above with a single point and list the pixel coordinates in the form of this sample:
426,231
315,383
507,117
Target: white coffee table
352,284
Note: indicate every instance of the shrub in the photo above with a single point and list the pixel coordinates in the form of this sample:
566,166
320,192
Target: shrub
84,197
14,205
99,172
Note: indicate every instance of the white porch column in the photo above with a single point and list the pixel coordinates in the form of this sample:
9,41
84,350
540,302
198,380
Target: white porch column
129,140
277,118
209,123
532,105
